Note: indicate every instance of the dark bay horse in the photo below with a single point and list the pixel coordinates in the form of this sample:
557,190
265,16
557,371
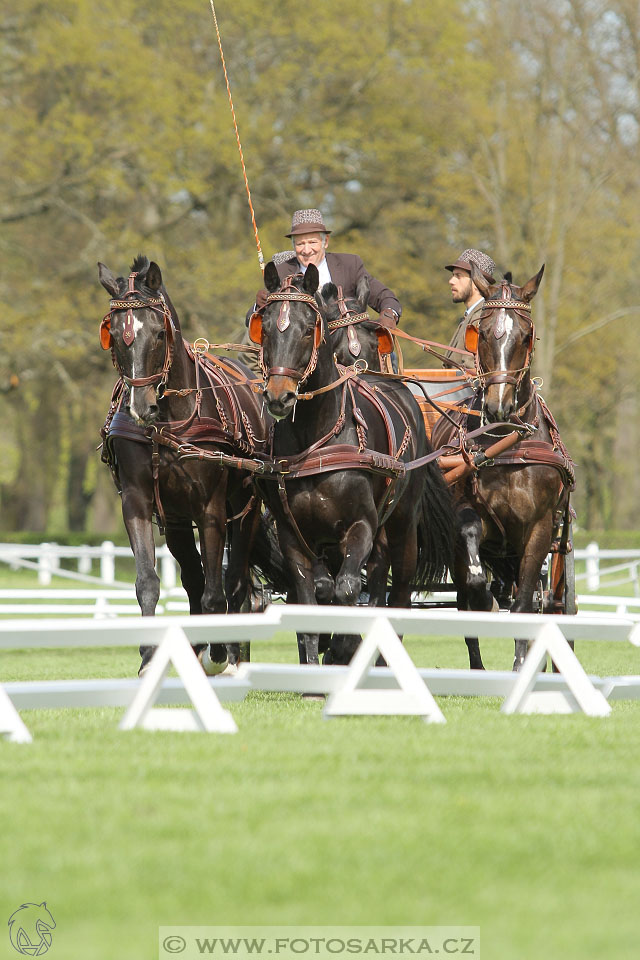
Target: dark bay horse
354,335
511,507
169,397
340,450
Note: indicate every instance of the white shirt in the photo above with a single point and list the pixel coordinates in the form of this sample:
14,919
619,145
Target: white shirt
472,307
323,272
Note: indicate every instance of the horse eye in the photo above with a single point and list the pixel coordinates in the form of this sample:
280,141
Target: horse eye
161,334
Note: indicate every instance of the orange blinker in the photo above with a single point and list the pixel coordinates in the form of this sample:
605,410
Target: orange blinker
105,333
385,341
255,328
471,339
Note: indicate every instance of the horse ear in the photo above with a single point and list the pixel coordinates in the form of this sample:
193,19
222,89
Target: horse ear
329,292
479,279
153,278
108,280
530,288
271,277
363,290
311,279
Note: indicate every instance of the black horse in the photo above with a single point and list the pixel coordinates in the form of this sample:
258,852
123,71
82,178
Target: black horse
168,398
355,337
512,506
343,492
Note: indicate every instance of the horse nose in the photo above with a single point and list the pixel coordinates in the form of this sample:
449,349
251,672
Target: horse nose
147,415
498,409
279,404
280,394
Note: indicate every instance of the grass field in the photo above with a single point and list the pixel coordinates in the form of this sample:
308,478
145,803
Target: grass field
527,827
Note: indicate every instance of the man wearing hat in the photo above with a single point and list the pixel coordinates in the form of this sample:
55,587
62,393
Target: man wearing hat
310,240
464,290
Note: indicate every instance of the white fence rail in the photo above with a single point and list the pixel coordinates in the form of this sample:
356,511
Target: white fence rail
46,559
401,689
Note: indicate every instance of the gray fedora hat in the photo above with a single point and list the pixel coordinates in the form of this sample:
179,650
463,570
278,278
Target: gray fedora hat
482,260
307,221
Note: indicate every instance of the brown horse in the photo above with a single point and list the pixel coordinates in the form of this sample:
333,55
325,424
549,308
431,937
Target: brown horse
509,508
169,398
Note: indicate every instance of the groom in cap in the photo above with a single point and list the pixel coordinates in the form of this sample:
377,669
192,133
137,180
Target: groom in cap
464,290
310,240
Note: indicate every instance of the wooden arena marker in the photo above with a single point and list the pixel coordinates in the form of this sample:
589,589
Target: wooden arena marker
412,698
11,725
207,714
581,695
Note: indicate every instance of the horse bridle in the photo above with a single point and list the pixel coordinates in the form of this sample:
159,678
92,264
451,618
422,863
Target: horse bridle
131,301
523,310
348,318
285,296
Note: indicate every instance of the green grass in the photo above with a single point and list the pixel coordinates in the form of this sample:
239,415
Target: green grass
524,826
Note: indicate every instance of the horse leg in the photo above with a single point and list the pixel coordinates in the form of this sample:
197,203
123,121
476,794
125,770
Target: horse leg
355,547
242,534
303,589
136,513
378,570
213,528
182,544
536,547
470,577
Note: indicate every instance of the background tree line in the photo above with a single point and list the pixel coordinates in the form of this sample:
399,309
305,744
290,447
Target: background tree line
420,127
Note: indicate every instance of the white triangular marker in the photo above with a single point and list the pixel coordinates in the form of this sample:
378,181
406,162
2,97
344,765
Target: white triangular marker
208,713
11,724
582,695
413,698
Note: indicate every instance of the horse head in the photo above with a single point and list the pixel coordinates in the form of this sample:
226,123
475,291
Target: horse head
140,332
354,335
290,334
503,340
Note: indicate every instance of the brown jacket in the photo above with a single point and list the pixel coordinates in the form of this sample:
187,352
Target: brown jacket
346,270
457,339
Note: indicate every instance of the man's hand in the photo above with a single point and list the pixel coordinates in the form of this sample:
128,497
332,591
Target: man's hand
388,318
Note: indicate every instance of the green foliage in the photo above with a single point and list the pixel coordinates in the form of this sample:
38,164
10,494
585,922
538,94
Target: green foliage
439,126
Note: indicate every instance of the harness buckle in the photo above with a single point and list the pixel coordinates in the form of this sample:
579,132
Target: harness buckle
282,466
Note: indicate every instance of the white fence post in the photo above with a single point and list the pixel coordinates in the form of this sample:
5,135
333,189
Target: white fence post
45,564
84,563
108,562
593,566
167,568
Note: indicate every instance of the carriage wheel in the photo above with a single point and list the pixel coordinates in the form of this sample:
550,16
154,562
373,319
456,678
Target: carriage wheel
561,596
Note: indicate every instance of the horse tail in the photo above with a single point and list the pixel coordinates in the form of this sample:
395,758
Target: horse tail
436,530
266,557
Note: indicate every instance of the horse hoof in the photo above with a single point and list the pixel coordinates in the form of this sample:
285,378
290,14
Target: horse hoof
495,607
143,669
231,670
314,696
210,667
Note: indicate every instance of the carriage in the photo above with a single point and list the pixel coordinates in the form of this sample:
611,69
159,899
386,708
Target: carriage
359,441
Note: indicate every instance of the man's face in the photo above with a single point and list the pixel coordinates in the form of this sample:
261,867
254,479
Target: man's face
310,248
461,286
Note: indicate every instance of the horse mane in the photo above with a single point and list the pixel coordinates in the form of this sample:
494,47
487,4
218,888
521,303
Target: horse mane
140,264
